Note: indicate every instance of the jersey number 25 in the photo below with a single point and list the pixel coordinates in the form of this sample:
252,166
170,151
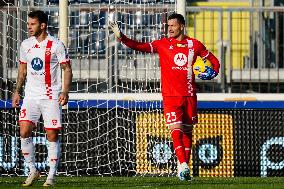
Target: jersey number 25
171,117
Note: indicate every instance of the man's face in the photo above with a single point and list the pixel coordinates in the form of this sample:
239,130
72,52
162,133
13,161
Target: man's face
34,27
175,29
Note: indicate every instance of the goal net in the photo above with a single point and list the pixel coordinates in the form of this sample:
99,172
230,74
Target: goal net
99,135
114,122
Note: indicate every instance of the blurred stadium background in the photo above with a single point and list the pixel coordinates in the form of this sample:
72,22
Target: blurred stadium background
113,125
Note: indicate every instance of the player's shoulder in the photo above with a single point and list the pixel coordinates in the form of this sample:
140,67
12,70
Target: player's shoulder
163,40
28,41
55,40
158,42
195,43
194,40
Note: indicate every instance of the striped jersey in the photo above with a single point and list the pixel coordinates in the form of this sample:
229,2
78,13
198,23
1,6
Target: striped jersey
43,61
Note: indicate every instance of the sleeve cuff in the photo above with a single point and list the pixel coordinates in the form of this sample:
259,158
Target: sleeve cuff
206,55
22,62
65,62
122,38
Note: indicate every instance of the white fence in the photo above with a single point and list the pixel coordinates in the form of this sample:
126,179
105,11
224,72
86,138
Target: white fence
249,42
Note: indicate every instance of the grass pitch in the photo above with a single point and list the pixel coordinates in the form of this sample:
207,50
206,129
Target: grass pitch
151,182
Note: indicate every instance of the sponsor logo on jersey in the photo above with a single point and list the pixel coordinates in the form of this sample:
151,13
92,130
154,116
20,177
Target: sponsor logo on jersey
181,45
179,68
171,47
37,64
180,59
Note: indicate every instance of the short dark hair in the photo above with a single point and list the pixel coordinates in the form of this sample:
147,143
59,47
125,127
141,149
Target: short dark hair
177,16
40,15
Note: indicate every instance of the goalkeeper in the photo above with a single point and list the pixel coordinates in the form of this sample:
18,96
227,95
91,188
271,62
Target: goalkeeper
42,57
177,55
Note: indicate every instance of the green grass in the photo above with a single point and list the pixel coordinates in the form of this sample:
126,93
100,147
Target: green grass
151,182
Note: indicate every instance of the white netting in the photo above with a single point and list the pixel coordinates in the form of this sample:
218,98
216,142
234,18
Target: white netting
99,136
119,129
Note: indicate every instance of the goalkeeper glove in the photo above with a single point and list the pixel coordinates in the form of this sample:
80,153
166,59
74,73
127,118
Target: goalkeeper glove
208,74
114,27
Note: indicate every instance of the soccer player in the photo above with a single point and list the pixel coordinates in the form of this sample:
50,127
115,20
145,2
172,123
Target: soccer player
41,57
177,55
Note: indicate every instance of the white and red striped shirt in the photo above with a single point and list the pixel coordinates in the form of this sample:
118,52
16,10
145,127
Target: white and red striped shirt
43,67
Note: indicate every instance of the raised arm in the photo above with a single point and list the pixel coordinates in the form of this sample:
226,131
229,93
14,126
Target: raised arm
135,45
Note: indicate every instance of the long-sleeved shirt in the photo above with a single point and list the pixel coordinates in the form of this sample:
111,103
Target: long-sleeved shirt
176,61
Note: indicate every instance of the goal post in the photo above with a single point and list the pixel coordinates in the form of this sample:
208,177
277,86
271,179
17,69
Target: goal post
63,21
63,29
181,7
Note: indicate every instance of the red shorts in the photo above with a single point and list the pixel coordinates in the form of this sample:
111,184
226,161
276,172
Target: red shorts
180,109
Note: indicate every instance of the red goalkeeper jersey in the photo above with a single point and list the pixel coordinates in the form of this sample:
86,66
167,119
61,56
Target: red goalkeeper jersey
176,60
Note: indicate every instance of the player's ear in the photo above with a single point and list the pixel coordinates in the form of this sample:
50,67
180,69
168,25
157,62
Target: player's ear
182,27
43,26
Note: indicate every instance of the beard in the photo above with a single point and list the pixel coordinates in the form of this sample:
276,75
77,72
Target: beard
37,32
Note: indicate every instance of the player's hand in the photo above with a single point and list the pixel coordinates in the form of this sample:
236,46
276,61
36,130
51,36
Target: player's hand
63,98
208,74
16,99
114,27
